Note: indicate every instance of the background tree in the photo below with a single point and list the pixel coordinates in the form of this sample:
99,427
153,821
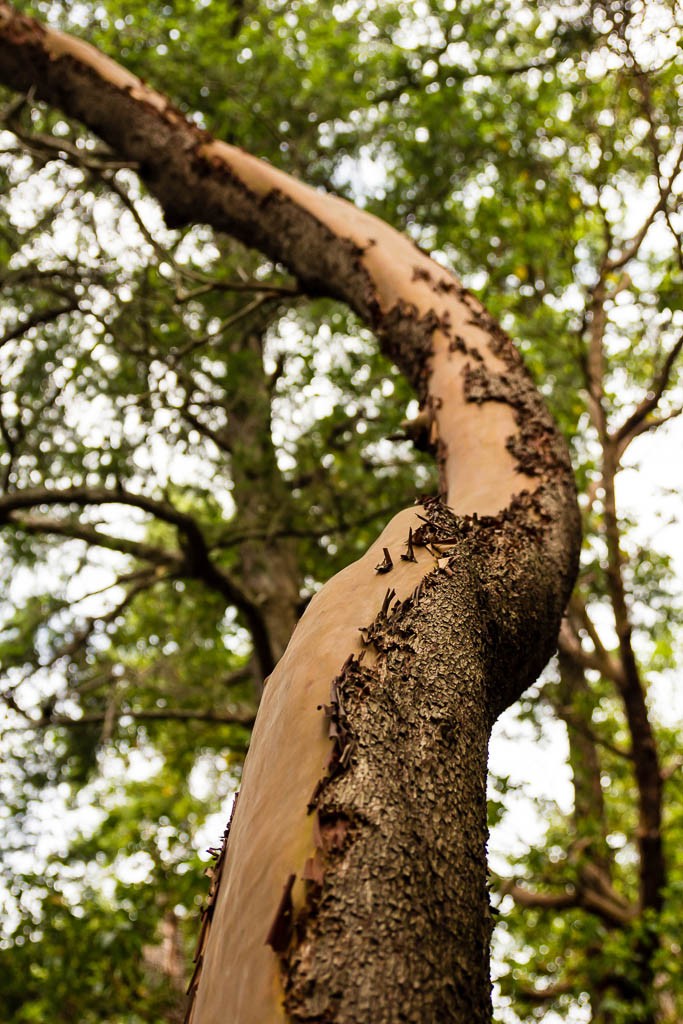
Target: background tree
549,133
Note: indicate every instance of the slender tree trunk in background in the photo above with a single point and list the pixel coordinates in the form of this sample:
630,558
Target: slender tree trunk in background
353,887
269,572
649,783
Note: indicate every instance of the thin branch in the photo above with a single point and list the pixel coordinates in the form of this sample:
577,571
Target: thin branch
643,80
32,497
112,184
90,535
205,284
125,577
609,910
627,431
538,900
652,867
579,610
631,248
547,994
103,167
217,436
599,659
648,425
211,336
564,708
612,912
250,285
414,80
239,537
238,717
40,145
593,363
47,316
580,726
194,546
142,582
48,279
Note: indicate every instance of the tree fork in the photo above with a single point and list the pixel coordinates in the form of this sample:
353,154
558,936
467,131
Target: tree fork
358,846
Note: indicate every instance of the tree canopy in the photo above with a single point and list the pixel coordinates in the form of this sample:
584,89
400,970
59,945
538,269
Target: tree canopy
158,382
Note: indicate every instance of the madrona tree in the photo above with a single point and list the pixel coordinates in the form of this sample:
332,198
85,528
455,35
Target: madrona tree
353,881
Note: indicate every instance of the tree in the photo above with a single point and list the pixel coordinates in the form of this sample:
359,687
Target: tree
501,192
468,623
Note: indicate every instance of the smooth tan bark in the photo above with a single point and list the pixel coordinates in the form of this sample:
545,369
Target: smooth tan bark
272,832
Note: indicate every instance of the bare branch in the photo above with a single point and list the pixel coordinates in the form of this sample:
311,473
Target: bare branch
629,429
250,285
538,900
141,581
647,425
211,336
630,249
612,912
46,316
75,530
48,145
548,993
599,659
240,716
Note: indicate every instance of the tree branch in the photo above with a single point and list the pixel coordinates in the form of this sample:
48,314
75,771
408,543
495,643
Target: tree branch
90,535
141,581
631,688
243,717
249,285
547,994
643,79
176,355
648,425
612,912
630,427
194,547
630,249
506,475
89,160
46,316
569,642
538,900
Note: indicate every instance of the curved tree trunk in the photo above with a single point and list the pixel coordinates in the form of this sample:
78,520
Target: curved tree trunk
354,885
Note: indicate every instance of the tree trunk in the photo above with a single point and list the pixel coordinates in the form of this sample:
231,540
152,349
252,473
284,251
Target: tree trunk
354,885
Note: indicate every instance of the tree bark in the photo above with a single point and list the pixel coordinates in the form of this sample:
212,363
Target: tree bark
353,887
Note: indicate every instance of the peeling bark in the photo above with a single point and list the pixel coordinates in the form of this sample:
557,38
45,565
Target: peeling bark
358,846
